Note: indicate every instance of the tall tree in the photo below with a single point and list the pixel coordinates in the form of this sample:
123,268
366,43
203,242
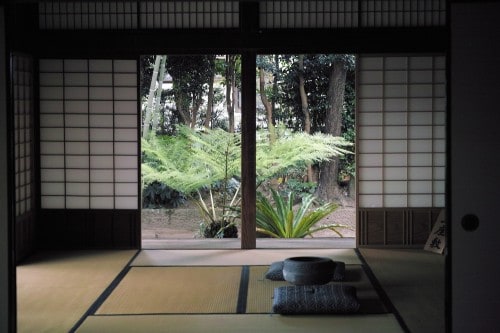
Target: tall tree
303,96
328,188
190,78
264,66
210,99
156,112
151,97
230,88
305,108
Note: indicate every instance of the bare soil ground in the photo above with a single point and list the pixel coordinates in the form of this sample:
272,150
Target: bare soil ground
184,222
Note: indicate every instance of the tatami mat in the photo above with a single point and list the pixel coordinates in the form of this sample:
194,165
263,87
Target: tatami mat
414,280
153,290
235,257
212,290
55,289
382,323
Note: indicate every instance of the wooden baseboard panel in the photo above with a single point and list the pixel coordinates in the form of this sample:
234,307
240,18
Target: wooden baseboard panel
395,227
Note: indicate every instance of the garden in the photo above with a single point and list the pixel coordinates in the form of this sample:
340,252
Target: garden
191,146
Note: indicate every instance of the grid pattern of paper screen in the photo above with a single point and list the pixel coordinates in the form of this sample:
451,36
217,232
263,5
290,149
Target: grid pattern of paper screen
81,15
351,13
89,134
22,95
401,131
273,14
189,14
116,15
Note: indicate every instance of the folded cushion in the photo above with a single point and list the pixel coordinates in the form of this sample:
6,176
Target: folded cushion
315,299
275,271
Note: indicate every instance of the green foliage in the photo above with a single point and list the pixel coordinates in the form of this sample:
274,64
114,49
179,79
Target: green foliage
317,69
190,77
157,195
219,230
191,160
295,149
299,187
347,162
196,161
279,220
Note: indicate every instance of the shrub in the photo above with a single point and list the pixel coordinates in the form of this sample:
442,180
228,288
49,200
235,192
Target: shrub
280,220
157,194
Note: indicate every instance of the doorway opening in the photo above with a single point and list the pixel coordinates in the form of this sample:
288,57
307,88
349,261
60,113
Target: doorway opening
191,153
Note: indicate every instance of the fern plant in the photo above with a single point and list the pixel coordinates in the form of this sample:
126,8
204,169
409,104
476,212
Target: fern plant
196,161
279,220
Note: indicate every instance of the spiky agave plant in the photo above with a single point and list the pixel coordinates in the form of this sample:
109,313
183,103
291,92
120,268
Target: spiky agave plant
279,220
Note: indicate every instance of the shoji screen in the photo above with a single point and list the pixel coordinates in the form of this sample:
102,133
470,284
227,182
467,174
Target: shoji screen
351,13
401,131
22,96
88,134
157,14
189,14
83,15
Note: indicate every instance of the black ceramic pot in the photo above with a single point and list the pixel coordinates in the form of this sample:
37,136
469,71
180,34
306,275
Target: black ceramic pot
308,270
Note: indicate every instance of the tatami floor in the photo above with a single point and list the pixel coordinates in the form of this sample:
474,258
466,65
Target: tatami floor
70,291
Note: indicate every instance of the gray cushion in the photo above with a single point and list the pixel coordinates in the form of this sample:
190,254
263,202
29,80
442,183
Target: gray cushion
275,271
316,299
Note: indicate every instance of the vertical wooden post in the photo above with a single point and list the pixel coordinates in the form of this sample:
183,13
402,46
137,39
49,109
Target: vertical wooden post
8,313
248,137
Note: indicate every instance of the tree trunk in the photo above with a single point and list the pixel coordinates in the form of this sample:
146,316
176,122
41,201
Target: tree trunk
230,84
183,114
233,103
210,100
275,85
156,114
149,104
229,104
328,188
197,101
267,106
305,109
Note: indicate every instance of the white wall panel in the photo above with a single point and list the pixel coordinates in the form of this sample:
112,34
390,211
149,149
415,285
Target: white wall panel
395,200
101,162
101,202
48,161
89,117
411,152
52,134
77,202
366,200
395,187
48,106
101,79
52,201
125,107
101,134
75,134
75,107
77,175
53,189
125,202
